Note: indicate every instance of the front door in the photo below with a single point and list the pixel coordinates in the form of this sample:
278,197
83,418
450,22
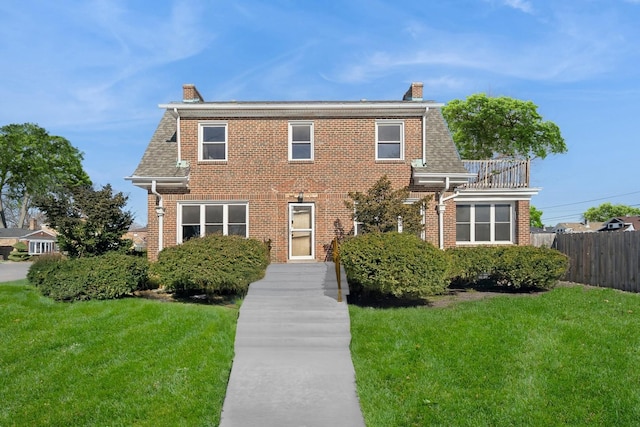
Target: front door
301,233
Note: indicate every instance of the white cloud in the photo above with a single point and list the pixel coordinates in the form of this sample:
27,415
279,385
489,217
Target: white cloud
522,5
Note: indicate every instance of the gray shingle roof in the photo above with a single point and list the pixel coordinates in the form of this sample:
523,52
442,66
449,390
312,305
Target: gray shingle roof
442,156
161,155
6,233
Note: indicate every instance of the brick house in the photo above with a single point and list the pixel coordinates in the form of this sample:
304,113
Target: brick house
281,171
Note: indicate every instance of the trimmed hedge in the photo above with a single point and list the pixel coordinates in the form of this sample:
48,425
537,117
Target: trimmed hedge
397,264
517,267
214,264
20,252
108,276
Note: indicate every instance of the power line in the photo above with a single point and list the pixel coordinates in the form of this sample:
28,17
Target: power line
588,201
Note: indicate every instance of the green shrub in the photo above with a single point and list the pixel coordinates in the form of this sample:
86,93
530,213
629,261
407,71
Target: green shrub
108,276
395,264
510,266
20,252
214,264
529,267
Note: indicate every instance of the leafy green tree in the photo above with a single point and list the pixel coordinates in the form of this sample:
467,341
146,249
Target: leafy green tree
485,127
89,222
535,217
33,162
606,211
379,208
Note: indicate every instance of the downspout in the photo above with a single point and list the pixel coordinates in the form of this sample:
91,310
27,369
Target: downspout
160,213
441,209
424,136
175,110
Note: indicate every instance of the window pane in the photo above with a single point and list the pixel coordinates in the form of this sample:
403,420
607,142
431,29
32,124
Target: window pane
463,232
503,232
301,151
237,214
301,133
503,213
388,151
463,213
483,232
483,213
301,217
213,134
191,214
237,230
213,151
389,132
213,229
190,231
213,214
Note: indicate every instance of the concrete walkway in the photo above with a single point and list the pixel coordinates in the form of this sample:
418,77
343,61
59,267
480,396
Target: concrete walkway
10,270
292,364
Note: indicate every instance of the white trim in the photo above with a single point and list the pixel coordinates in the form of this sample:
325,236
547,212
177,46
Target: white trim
492,223
311,230
496,195
311,139
202,205
201,143
386,122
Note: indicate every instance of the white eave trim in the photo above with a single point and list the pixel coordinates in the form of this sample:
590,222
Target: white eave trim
292,109
164,181
497,194
434,178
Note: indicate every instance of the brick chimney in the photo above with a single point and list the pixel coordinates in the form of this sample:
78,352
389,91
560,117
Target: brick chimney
191,94
414,93
33,224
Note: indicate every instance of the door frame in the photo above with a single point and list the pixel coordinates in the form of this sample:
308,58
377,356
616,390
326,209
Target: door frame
312,230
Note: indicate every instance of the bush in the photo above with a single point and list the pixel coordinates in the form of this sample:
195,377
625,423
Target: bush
401,265
20,252
516,267
108,276
214,264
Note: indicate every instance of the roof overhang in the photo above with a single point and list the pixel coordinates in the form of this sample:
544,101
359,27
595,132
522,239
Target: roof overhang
495,194
161,182
300,109
440,180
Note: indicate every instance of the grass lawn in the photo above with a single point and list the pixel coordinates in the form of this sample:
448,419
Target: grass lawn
129,362
570,356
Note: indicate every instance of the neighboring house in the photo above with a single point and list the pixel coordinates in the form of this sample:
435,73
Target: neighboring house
41,242
577,227
138,236
622,223
9,237
281,171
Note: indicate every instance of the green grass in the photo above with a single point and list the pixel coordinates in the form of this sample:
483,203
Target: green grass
570,356
129,362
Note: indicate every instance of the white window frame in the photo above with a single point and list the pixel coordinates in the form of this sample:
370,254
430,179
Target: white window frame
201,141
225,216
492,221
39,247
380,123
292,142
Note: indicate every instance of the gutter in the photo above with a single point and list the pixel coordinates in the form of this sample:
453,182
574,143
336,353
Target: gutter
441,208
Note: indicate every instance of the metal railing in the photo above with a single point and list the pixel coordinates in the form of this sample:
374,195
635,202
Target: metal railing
498,173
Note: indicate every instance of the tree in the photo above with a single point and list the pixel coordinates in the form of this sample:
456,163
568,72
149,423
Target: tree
379,208
606,211
89,222
485,127
32,162
535,217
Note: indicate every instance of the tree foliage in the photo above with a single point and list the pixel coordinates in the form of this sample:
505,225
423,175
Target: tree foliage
485,127
33,162
89,222
535,217
379,208
606,211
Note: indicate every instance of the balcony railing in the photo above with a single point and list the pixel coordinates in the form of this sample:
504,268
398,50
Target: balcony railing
498,173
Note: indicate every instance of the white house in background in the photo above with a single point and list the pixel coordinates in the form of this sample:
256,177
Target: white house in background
577,227
41,242
622,223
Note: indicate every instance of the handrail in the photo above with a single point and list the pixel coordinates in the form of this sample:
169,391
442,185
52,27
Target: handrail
336,261
498,173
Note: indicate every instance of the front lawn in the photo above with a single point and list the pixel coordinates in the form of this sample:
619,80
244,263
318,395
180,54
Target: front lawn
121,362
566,357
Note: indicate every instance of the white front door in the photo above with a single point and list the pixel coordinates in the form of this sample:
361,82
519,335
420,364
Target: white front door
301,233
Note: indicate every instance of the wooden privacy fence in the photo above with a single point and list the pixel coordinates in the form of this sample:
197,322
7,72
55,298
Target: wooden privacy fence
607,259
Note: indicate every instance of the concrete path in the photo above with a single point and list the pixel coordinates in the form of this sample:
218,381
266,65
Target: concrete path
10,271
292,364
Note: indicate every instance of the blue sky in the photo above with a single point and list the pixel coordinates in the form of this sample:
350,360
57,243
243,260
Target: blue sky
95,72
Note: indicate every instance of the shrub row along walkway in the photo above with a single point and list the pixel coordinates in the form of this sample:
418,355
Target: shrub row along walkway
292,364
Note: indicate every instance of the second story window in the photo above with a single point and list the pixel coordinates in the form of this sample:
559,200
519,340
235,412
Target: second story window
212,139
389,140
300,140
